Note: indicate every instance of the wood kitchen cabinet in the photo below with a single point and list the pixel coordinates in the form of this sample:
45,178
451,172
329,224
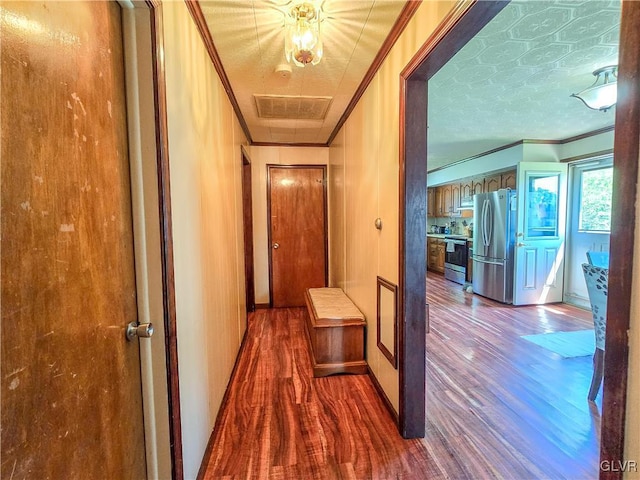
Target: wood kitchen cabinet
437,202
466,194
491,184
435,254
440,262
447,201
431,202
432,254
466,188
509,180
477,185
455,200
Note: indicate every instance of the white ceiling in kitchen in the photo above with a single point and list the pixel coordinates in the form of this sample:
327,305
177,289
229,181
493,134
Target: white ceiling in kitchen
513,80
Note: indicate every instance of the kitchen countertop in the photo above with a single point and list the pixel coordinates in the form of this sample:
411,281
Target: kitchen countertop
443,235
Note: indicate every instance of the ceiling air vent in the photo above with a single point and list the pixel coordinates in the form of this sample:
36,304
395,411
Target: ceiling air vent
292,108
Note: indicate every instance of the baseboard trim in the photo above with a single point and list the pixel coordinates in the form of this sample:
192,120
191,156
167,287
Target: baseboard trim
384,398
221,411
262,306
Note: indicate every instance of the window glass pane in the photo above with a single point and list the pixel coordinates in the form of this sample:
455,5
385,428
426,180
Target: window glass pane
542,205
595,200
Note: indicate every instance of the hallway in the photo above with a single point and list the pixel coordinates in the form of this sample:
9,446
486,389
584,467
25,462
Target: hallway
279,422
497,406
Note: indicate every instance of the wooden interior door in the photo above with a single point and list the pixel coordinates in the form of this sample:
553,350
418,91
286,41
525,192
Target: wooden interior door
297,232
71,390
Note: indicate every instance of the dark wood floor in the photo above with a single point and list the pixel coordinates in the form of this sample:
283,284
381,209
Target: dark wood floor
497,405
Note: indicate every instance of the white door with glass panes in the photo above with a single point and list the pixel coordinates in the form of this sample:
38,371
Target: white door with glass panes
589,222
540,233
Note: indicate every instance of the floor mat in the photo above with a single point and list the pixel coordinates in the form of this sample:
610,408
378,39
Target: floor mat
567,344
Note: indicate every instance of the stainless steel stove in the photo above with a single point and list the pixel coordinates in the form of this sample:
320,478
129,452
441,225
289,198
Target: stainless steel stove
455,258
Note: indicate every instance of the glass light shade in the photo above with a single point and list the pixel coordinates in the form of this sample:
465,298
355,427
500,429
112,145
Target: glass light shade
601,96
303,44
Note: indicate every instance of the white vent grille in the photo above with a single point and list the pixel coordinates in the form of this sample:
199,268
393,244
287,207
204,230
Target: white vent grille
293,108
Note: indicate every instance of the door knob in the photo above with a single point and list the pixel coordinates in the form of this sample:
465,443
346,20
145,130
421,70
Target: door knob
135,329
276,246
520,244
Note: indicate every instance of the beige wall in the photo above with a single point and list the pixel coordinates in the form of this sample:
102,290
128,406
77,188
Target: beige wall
336,190
364,186
205,164
261,157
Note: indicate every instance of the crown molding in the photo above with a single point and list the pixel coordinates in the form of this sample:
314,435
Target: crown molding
198,17
527,142
398,27
582,136
281,144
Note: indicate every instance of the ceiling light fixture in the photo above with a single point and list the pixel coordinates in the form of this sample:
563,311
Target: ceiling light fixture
302,43
601,96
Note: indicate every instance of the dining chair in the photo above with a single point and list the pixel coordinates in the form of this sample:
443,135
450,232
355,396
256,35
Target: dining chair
597,279
599,259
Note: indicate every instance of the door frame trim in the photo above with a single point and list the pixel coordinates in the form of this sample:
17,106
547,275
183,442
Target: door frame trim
462,24
626,156
247,231
166,238
326,219
138,34
574,170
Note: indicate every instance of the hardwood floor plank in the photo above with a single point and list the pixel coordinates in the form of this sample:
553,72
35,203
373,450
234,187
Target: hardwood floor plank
498,406
313,434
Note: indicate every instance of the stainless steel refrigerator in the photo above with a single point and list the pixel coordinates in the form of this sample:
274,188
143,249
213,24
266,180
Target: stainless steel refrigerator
493,244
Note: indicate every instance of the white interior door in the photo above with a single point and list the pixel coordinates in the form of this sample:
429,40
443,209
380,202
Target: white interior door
540,234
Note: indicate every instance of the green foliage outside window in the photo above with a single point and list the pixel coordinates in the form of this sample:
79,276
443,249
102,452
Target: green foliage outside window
595,200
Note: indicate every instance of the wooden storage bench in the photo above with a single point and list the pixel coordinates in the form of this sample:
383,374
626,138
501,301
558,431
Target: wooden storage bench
336,330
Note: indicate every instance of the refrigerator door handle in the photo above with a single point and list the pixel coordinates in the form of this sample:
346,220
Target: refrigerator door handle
490,222
485,207
488,262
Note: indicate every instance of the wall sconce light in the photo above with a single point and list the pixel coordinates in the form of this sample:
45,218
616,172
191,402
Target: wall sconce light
302,42
603,94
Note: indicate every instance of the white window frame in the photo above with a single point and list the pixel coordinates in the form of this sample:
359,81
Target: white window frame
583,170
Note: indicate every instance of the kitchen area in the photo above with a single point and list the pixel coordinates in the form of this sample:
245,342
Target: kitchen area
450,223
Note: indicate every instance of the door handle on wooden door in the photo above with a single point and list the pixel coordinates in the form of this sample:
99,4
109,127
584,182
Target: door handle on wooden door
276,246
140,330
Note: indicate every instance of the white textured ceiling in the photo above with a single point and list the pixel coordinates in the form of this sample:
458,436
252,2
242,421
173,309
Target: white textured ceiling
513,80
249,38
